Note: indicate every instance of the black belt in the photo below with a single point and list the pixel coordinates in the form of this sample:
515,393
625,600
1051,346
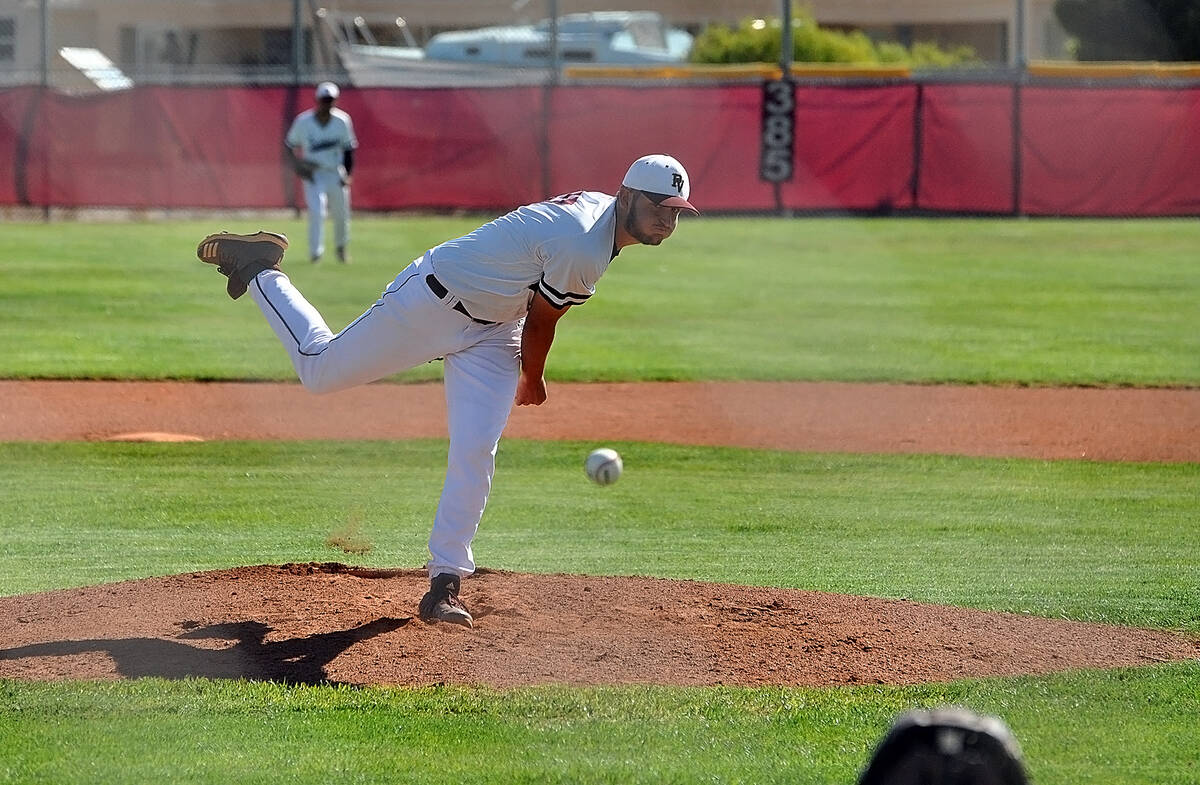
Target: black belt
440,292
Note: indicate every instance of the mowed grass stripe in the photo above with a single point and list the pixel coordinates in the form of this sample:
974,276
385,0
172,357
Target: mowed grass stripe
918,300
1106,542
1098,728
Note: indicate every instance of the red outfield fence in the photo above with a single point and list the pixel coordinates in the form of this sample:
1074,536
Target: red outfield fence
898,147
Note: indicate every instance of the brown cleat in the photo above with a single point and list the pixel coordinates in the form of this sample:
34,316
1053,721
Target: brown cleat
240,257
441,602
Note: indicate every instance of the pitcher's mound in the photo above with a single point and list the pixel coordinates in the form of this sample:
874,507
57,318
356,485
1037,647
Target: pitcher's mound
309,623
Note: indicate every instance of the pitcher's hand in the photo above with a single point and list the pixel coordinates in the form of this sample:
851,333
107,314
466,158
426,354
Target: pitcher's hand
531,392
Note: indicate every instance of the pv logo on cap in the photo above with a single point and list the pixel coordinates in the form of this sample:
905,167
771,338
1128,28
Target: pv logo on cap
649,174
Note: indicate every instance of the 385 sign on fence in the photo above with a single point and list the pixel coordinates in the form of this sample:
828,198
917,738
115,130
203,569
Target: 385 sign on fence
778,130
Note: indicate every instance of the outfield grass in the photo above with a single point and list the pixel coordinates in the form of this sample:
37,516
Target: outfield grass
917,300
1101,728
1083,540
1093,541
1026,302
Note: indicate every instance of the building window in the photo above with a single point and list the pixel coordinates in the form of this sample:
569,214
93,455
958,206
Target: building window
8,39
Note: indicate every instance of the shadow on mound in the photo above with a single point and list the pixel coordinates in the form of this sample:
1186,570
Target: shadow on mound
291,661
323,623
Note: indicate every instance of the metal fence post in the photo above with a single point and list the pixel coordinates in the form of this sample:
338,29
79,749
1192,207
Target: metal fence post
548,96
23,157
786,54
1020,68
45,54
1020,56
786,45
297,36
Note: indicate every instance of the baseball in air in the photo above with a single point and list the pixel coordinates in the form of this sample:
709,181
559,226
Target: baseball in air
603,466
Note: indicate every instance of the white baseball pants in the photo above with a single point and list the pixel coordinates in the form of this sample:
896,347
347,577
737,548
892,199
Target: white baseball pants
406,327
325,194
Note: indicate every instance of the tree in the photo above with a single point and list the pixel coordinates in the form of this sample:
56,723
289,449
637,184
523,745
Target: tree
1132,29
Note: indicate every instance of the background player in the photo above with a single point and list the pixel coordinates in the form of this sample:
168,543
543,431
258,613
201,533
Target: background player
324,135
488,303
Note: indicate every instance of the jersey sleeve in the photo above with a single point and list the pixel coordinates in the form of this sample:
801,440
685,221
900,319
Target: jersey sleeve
294,138
565,280
351,142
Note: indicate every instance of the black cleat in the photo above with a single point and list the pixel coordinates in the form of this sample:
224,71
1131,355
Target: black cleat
441,602
240,257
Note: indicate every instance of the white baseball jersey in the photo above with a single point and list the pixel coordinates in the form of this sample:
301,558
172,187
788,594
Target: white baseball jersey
323,144
559,248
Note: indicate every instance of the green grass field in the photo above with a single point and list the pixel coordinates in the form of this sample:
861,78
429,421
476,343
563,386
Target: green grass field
1067,539
1025,302
1107,728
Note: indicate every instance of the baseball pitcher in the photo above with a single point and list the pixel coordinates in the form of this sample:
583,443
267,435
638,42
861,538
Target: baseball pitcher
488,303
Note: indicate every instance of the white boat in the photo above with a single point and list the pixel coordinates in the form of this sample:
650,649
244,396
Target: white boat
514,54
620,37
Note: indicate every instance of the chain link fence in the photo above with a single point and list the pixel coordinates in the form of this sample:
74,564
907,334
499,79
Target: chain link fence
191,60
79,48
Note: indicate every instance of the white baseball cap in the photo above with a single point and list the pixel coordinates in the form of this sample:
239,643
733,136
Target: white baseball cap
327,90
662,179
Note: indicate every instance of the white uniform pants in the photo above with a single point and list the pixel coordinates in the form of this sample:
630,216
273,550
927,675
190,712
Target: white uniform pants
324,193
406,327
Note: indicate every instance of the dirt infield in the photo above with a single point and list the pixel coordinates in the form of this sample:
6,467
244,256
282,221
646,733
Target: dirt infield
314,623
1100,424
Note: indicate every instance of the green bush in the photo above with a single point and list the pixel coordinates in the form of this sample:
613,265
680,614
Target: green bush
924,53
759,41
